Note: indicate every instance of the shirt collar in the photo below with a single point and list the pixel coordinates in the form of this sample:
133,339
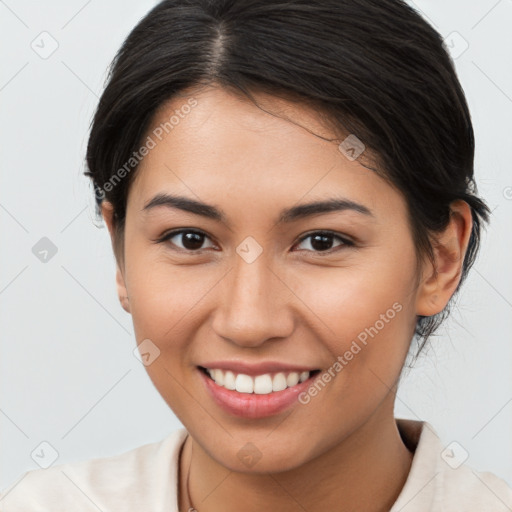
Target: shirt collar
422,485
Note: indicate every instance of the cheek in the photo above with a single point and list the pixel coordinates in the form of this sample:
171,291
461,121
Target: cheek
164,300
168,302
367,322
364,311
166,308
350,299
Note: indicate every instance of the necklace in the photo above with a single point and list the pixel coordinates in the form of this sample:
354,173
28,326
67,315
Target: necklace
190,507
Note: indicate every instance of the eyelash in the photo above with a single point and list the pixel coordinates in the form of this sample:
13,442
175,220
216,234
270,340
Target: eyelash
345,241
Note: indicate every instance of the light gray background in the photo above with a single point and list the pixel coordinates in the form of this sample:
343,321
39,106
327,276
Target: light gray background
68,373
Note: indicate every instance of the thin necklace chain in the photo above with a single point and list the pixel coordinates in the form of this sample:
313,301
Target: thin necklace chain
189,499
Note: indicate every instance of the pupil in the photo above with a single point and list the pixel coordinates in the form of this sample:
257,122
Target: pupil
192,240
321,242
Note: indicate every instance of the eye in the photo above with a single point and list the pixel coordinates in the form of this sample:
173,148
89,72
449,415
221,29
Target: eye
193,240
322,241
186,239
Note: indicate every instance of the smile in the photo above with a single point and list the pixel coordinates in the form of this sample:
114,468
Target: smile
255,396
259,384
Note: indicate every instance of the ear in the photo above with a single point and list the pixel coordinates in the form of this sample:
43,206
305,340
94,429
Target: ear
439,283
107,211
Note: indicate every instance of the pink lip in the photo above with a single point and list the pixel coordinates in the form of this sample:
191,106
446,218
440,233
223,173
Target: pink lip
251,405
256,368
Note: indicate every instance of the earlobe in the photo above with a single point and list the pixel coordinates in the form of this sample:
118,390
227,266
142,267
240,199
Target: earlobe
107,211
427,298
439,282
122,293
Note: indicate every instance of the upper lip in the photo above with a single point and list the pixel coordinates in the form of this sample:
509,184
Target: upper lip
257,368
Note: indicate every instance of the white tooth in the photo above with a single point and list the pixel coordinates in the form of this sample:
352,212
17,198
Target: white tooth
229,380
263,384
292,379
218,377
303,376
244,383
209,372
279,382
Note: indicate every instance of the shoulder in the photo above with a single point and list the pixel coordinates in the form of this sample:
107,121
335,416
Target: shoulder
129,481
441,480
474,490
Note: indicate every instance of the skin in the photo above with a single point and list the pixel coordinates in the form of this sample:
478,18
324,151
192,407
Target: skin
294,303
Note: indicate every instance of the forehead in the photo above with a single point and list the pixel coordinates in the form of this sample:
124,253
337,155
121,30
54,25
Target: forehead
216,145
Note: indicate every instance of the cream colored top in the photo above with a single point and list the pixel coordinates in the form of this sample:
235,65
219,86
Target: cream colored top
145,479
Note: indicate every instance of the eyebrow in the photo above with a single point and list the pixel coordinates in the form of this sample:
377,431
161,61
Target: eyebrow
288,215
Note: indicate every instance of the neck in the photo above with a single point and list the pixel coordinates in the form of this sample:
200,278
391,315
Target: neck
366,471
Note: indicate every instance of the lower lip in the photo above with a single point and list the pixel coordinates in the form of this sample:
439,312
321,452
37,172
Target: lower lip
252,405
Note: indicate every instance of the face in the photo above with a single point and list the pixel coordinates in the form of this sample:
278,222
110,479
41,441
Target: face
253,282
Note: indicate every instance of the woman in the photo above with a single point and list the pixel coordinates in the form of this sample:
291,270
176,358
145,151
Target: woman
290,196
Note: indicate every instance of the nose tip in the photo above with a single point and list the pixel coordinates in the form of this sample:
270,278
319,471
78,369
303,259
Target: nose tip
253,305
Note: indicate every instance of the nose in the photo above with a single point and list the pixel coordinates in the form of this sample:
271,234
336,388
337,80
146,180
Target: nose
253,305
